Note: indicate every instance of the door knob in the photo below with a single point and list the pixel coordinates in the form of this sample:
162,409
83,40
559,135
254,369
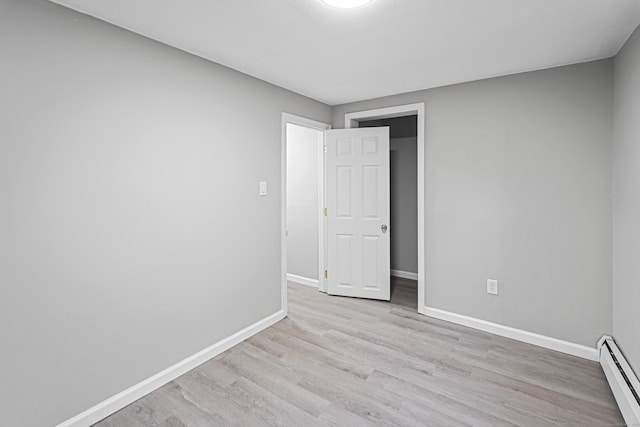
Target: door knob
383,227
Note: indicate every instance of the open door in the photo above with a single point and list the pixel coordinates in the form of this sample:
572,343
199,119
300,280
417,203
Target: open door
358,213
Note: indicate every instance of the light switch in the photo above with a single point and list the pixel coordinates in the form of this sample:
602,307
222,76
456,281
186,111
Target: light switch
492,286
263,188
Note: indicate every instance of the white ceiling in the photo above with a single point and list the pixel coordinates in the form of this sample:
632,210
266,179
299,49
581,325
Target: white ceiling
383,48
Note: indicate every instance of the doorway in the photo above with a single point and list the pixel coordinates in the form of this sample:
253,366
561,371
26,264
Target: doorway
403,172
302,195
354,120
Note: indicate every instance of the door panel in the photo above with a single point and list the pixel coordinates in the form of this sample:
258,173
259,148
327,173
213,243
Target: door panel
358,208
343,189
370,192
344,260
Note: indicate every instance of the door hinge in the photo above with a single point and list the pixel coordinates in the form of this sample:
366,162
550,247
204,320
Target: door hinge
326,274
325,211
325,149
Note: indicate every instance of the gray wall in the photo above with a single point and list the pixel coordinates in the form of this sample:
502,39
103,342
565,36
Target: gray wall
518,188
302,200
404,204
404,190
626,149
132,234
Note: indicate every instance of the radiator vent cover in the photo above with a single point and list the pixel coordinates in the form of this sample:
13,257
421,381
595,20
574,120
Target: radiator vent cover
622,380
623,373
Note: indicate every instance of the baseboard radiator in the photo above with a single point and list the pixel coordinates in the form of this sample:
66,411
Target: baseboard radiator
622,380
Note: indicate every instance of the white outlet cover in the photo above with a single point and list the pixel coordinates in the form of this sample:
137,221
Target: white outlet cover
492,286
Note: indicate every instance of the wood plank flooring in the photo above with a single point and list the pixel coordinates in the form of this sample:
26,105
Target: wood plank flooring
350,362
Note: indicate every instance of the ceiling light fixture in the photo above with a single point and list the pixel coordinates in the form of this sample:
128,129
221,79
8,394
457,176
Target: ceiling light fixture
346,4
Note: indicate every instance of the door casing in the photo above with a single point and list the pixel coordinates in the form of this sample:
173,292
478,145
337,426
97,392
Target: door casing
352,119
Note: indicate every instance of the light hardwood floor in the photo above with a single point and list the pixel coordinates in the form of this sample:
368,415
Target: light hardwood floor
350,362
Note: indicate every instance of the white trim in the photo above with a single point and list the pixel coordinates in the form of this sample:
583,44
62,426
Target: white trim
283,214
624,398
302,280
133,393
313,124
351,119
404,274
321,218
516,334
322,242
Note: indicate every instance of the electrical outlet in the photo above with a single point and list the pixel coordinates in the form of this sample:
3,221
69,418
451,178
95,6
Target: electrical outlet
492,287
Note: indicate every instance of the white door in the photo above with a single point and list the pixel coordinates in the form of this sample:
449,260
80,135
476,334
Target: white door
358,212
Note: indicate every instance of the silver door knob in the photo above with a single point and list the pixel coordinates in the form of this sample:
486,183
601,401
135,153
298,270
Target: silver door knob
383,227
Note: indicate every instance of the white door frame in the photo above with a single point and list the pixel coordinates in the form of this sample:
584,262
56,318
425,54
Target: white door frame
352,120
301,121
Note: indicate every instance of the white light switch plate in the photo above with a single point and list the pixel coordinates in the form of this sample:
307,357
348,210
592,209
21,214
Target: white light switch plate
492,287
263,188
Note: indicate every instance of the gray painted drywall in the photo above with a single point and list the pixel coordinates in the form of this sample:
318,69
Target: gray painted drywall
132,234
404,190
302,200
518,188
404,204
626,181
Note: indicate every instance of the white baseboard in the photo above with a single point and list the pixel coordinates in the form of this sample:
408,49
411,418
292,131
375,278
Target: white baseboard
302,280
404,274
130,395
627,403
516,334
